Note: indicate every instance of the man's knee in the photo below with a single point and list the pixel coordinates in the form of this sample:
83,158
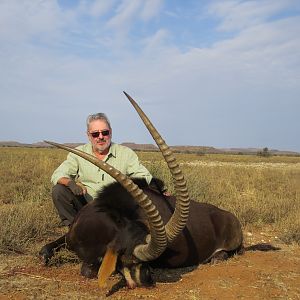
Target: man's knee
59,191
63,200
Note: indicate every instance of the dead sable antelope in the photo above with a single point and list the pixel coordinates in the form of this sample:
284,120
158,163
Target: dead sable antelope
131,226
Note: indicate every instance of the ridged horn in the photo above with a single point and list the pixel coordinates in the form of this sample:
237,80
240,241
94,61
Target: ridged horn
158,240
179,218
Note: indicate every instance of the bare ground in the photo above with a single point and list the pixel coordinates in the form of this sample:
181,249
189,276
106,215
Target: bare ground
254,275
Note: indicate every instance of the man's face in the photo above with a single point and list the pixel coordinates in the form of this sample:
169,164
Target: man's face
99,135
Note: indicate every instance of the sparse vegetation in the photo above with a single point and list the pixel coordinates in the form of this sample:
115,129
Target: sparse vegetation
260,193
265,152
264,193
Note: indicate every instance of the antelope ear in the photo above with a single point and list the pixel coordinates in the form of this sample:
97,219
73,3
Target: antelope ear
107,267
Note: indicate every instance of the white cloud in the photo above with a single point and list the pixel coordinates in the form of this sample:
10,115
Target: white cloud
126,13
270,49
223,93
20,20
130,11
237,15
154,42
101,7
151,9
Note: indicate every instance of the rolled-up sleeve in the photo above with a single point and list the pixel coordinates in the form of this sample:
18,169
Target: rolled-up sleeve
69,169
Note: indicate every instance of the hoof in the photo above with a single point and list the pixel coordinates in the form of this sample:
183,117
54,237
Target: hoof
45,254
219,256
89,270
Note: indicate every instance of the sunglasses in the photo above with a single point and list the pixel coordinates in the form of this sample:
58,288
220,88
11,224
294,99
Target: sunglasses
97,133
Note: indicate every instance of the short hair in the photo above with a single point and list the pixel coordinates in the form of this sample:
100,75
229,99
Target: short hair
97,116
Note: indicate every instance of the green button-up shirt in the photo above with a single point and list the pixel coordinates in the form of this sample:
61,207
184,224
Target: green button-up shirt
122,158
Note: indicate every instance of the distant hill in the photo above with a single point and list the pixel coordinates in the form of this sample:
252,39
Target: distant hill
43,144
195,149
13,144
256,150
151,147
141,147
34,145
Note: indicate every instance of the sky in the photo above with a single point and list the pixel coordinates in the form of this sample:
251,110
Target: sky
224,74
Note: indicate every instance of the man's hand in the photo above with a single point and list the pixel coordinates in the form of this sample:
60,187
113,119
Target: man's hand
76,188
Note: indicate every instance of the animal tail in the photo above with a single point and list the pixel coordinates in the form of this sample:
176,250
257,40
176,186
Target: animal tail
107,267
261,247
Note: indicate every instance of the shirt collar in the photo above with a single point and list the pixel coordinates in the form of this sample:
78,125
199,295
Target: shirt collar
112,150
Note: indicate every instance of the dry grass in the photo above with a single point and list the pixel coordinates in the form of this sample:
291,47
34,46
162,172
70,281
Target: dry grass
260,191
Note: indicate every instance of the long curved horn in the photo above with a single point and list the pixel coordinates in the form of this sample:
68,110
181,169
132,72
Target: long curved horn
179,218
158,240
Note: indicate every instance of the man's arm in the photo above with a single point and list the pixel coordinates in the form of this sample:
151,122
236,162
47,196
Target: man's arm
65,173
64,181
135,167
68,169
77,188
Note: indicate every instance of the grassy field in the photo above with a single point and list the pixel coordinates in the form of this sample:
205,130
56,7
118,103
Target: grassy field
260,191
